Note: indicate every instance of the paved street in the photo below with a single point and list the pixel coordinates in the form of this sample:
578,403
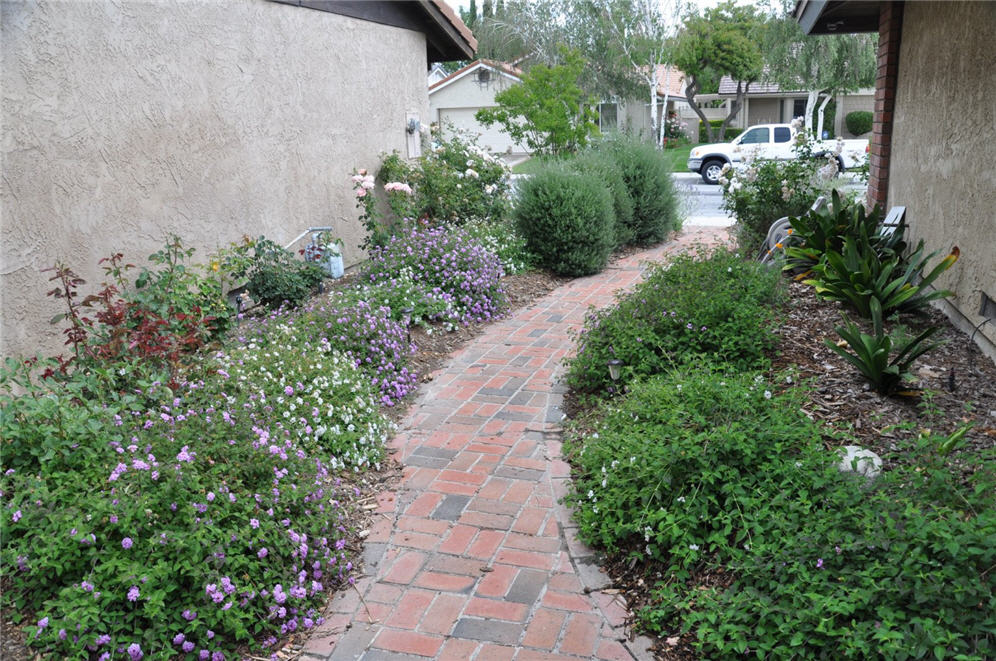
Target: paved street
703,204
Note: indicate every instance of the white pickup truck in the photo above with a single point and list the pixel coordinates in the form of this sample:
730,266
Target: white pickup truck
769,141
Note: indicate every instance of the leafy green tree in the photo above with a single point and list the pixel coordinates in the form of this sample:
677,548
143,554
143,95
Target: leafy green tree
722,41
548,112
823,65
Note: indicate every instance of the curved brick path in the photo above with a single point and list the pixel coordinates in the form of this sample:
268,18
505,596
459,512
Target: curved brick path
473,558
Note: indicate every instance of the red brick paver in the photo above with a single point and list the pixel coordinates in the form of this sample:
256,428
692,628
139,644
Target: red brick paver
473,557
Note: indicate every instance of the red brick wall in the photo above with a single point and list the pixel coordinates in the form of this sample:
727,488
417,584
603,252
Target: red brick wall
890,27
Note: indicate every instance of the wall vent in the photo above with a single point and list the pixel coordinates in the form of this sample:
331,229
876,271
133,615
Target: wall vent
987,309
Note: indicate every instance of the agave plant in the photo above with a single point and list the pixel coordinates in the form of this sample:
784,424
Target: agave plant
883,358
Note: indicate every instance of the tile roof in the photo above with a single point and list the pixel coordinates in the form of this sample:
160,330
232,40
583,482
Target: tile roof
501,67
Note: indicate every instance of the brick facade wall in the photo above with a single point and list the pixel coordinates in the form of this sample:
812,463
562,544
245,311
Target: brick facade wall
890,27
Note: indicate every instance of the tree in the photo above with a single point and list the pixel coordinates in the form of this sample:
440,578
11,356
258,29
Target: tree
723,41
823,65
632,38
548,111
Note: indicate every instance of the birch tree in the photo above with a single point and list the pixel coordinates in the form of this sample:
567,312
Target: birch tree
640,38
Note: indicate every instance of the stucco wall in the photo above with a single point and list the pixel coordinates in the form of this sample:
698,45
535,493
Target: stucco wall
943,164
847,103
212,120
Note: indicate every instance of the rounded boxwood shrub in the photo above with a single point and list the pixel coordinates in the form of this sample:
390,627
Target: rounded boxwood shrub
567,220
858,122
651,188
603,166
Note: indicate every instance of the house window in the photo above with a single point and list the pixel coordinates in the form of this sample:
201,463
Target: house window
798,108
755,136
608,117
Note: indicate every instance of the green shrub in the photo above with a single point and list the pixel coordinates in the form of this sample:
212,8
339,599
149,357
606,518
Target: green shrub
720,310
567,220
859,122
603,167
766,549
728,135
455,181
274,276
648,179
766,191
502,238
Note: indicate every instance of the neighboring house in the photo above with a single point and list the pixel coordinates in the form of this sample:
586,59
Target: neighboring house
123,122
671,84
436,73
454,100
934,139
767,103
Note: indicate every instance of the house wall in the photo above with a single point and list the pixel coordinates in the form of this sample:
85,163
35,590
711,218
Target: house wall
944,146
846,103
762,111
125,121
456,102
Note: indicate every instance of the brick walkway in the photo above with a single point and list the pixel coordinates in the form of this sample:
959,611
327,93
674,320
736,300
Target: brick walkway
474,558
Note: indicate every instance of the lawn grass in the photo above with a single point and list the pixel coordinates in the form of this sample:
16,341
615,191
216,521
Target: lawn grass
677,159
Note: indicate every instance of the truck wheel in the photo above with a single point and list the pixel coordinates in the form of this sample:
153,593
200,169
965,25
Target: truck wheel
711,171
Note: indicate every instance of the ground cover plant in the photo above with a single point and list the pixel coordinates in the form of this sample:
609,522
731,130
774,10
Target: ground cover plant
447,265
723,485
162,521
720,309
722,474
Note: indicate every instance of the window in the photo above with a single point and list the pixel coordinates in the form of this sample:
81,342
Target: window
755,136
798,108
608,117
782,134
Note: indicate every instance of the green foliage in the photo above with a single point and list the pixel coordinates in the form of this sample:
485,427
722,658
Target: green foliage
156,517
648,179
456,181
274,276
858,122
567,220
766,548
167,313
723,41
714,126
765,190
504,240
601,165
548,112
860,276
818,232
883,358
720,309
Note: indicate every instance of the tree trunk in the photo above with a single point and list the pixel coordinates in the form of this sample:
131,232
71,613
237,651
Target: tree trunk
735,106
691,89
811,98
654,119
663,112
819,113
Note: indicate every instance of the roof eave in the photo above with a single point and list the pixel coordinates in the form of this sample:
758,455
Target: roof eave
837,16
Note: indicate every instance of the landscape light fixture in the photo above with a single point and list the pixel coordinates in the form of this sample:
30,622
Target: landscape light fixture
615,369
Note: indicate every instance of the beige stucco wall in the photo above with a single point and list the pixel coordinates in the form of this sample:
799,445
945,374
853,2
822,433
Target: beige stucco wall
213,120
847,103
943,166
